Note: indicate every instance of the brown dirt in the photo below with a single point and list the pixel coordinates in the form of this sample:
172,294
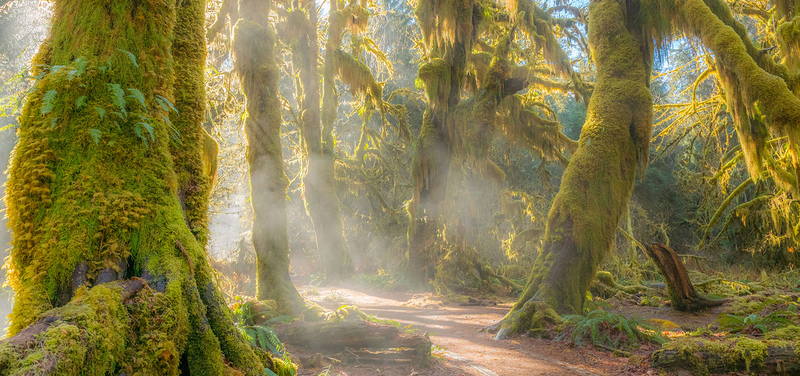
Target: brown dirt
459,345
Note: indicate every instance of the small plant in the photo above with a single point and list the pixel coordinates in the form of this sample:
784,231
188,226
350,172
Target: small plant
610,330
264,338
243,313
753,324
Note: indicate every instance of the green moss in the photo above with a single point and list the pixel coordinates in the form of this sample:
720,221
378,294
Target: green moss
789,333
436,76
312,313
599,179
763,91
88,205
193,166
112,203
709,357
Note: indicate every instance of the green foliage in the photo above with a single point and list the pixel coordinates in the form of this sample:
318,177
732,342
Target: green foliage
265,338
753,324
48,100
95,135
608,329
130,56
136,94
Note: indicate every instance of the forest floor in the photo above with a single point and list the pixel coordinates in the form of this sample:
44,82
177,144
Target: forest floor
460,347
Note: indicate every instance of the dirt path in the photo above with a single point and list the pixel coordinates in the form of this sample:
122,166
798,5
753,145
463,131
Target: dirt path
458,344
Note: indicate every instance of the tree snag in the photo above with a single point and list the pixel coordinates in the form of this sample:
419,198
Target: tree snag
681,291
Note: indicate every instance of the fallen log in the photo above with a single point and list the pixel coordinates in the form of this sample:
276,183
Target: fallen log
703,357
681,291
349,336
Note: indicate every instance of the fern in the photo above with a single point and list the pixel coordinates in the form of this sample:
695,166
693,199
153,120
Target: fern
130,56
48,100
165,104
264,338
610,330
118,97
80,102
80,67
95,133
136,94
752,324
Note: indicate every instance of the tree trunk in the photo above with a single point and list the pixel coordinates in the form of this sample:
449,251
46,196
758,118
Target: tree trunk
681,291
93,197
598,181
319,184
430,169
253,49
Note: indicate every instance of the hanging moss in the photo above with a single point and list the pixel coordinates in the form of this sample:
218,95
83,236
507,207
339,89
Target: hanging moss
436,76
357,76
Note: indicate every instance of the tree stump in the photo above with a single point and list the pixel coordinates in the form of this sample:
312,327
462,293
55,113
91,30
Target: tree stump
681,291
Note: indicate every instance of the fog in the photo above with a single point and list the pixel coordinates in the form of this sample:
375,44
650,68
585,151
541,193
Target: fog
23,25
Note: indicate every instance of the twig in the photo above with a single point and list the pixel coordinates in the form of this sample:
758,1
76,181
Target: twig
191,264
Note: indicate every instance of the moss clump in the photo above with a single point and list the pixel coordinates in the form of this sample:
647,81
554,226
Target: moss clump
312,313
436,76
789,333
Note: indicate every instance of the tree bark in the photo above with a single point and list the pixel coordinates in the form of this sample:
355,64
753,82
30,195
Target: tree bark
319,184
254,52
598,181
96,195
681,291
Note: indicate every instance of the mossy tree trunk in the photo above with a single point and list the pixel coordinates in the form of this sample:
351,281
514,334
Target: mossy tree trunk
598,181
319,183
93,198
254,52
432,155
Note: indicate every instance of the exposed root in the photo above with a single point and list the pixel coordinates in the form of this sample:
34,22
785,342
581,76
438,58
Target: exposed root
534,316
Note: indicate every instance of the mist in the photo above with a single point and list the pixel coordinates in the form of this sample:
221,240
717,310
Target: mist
23,26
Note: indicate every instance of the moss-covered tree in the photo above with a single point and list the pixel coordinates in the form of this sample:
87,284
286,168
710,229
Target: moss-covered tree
319,185
254,52
598,181
108,262
461,59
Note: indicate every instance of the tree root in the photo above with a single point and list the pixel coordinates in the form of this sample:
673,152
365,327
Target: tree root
534,316
126,327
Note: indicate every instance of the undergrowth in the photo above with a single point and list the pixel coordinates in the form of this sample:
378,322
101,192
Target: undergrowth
609,330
